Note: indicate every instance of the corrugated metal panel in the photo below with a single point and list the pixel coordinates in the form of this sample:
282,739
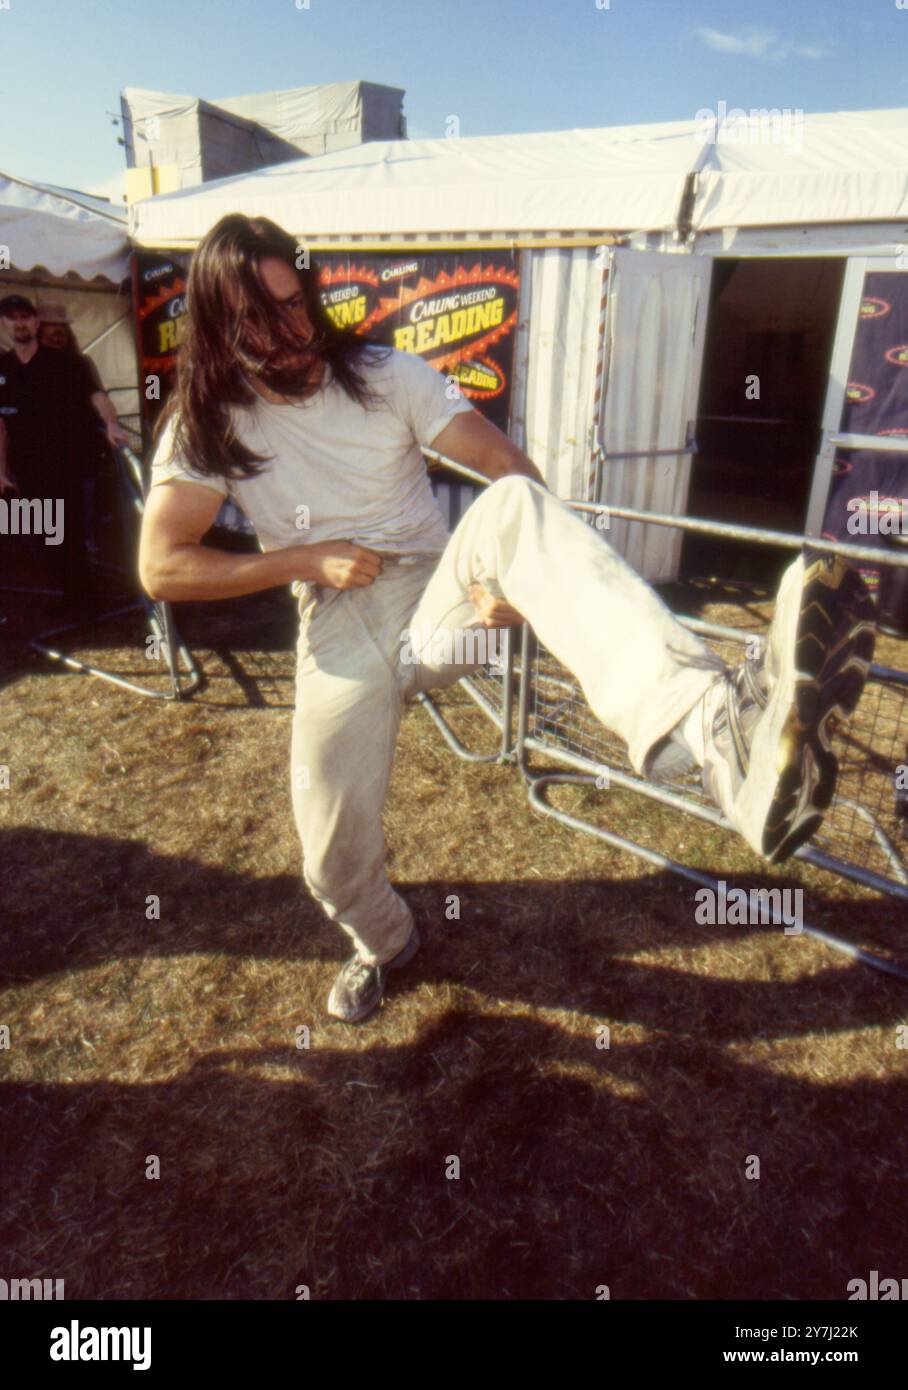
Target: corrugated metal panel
453,498
555,367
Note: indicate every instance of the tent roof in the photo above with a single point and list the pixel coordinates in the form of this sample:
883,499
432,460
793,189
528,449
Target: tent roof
62,230
94,202
843,166
839,167
571,178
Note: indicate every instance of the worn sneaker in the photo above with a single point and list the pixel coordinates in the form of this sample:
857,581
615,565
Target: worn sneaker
768,761
359,985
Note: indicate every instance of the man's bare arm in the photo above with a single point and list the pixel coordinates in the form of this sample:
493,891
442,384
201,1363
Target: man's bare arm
105,407
175,566
471,439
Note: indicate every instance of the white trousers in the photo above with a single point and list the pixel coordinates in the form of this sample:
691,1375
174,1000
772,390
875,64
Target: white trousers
640,669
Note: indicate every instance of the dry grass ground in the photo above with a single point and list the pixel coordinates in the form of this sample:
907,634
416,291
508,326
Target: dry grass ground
326,1166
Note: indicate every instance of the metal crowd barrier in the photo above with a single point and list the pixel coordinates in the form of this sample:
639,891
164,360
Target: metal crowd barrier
539,708
158,615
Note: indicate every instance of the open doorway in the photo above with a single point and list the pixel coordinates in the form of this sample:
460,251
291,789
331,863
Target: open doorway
766,363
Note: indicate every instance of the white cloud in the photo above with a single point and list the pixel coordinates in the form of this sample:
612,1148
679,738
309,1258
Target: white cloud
759,43
755,44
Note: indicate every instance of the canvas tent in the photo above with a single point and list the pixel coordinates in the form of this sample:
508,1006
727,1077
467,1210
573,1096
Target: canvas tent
629,241
68,248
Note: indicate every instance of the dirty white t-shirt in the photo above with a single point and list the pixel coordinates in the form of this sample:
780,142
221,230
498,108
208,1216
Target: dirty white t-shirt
339,470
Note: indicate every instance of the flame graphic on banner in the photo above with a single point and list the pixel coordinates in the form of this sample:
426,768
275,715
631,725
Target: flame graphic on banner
425,287
344,275
161,296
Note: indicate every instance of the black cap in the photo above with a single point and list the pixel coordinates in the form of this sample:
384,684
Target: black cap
16,301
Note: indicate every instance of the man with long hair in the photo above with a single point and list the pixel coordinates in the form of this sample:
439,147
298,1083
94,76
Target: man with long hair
315,433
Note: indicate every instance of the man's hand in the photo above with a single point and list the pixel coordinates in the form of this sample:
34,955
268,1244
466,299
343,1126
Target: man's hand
116,434
492,611
7,484
339,564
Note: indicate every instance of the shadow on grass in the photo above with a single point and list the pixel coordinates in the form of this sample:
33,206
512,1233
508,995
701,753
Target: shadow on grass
579,1165
236,630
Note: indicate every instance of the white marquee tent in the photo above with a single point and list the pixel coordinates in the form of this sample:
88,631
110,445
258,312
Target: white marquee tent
763,170
574,178
62,232
68,248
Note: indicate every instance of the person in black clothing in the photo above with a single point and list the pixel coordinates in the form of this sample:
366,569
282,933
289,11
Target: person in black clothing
100,480
45,443
55,331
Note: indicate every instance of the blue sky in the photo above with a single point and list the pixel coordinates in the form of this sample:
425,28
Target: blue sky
500,66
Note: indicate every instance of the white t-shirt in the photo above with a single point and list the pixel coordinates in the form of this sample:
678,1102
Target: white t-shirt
339,470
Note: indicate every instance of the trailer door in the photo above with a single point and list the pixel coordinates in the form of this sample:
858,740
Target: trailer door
864,439
655,329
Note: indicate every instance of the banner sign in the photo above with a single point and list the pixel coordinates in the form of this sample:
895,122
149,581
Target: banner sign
458,310
870,489
159,301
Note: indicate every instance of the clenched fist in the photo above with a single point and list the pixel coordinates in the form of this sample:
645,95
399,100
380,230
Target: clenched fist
339,564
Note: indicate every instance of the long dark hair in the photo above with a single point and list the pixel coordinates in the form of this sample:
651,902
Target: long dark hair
230,315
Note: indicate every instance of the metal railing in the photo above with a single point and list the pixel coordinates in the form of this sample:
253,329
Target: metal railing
158,615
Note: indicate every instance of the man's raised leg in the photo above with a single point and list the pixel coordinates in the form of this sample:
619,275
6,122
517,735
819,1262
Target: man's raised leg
761,734
640,669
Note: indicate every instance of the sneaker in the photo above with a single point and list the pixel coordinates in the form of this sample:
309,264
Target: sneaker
359,985
768,762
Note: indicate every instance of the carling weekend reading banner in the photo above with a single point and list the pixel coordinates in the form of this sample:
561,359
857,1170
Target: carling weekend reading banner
457,310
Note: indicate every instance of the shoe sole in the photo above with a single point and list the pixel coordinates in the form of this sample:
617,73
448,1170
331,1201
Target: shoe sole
825,667
403,957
